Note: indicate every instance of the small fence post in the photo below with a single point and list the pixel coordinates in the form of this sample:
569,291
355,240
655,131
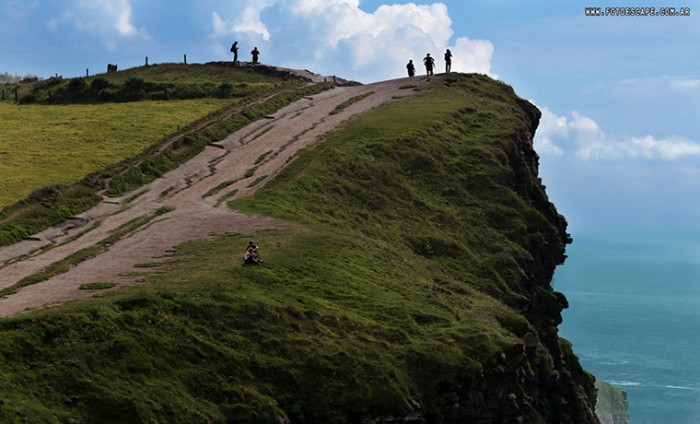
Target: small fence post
185,59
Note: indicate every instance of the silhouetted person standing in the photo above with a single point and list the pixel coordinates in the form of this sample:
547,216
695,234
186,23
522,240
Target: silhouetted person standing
255,54
234,50
429,64
411,69
448,61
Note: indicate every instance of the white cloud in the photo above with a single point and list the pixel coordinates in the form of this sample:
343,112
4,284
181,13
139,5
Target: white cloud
336,36
219,25
247,22
669,148
684,84
109,19
551,129
582,136
473,56
315,6
664,82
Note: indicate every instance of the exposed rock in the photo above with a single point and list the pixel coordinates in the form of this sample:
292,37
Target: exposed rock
612,404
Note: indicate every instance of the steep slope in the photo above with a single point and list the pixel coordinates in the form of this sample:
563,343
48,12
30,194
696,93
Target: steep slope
193,195
612,406
452,178
410,282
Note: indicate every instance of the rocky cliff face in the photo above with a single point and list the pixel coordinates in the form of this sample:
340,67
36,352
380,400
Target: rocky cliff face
612,406
552,387
462,192
483,220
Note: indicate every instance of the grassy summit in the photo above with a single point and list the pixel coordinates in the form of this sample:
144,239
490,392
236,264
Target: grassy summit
55,157
85,128
416,285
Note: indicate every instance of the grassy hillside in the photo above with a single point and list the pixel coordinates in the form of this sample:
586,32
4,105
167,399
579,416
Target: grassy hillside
415,287
44,145
58,157
155,82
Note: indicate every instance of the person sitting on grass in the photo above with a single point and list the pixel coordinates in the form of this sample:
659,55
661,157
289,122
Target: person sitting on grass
251,256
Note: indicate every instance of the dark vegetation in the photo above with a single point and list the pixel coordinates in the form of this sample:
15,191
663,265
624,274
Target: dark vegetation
155,82
49,206
350,102
6,78
418,289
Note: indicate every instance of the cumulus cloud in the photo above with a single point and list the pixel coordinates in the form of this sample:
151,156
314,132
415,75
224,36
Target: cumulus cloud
337,36
582,136
109,19
551,130
648,147
246,22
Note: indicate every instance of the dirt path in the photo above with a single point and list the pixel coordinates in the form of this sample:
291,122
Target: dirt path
265,146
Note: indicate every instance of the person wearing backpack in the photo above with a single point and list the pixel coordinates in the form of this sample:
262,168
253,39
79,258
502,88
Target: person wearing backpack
255,54
429,64
410,68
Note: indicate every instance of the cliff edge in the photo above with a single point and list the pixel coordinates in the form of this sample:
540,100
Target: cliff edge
448,177
410,282
612,405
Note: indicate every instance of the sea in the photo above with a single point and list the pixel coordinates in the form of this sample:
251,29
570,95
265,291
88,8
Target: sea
634,320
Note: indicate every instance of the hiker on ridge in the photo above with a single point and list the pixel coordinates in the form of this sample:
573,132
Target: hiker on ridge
255,54
429,64
411,69
234,50
448,61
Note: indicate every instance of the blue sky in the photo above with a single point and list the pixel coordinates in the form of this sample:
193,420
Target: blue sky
619,140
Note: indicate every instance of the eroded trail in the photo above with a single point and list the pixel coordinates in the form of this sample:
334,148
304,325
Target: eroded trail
195,195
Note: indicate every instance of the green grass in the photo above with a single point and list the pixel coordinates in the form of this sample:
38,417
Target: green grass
422,235
45,145
257,181
195,73
137,195
225,197
217,189
128,149
156,82
228,343
103,285
425,181
350,102
154,161
262,157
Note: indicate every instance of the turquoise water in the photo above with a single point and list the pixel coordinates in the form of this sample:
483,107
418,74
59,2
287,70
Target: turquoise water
634,320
